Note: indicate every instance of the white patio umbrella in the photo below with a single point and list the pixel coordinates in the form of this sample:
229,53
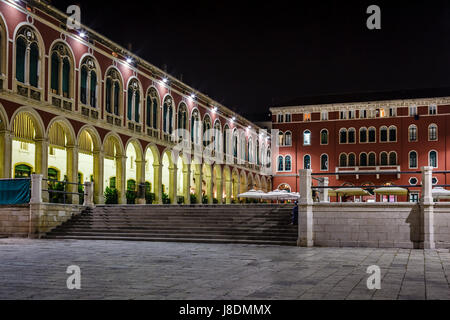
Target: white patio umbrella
351,192
252,194
280,195
394,191
441,193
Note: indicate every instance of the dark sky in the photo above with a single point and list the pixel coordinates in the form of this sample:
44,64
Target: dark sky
253,55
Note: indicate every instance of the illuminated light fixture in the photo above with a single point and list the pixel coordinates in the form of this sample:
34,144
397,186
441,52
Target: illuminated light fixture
82,34
129,60
193,96
165,80
214,110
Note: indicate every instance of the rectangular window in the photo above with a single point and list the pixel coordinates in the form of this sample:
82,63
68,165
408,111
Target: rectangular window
414,197
343,115
324,115
432,110
382,113
280,118
412,111
288,117
307,117
351,114
363,114
392,112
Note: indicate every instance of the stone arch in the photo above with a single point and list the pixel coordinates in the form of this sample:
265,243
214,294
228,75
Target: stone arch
235,180
153,172
5,145
257,181
218,183
28,135
63,153
208,183
250,181
243,182
196,179
90,160
227,184
168,175
113,168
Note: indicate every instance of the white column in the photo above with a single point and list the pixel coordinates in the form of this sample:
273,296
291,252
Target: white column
305,211
36,189
427,209
89,194
323,192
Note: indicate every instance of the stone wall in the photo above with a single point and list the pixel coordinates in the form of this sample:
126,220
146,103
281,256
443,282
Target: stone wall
377,225
442,225
15,220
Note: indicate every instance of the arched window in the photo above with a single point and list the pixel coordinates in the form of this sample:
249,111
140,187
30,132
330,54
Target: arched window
433,159
152,109
217,136
258,156
343,160
27,57
182,121
372,159
363,135
88,82
61,70
288,139
324,162
372,135
351,160
207,131
343,136
363,160
134,100
392,159
412,134
280,139
307,162
280,163
195,127
250,150
433,132
413,160
168,115
351,135
113,99
383,134
287,163
226,137
243,143
324,137
307,138
384,159
392,134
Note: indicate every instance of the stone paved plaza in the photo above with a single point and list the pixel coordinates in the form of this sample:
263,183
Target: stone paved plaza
146,270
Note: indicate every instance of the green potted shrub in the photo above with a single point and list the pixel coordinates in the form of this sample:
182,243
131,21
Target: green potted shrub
111,196
193,198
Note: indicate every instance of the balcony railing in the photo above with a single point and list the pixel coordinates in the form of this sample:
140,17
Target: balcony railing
342,171
29,92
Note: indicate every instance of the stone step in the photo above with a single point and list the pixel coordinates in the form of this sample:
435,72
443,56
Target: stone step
185,240
286,233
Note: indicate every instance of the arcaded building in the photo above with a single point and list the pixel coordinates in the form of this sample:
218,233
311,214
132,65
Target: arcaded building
339,136
76,107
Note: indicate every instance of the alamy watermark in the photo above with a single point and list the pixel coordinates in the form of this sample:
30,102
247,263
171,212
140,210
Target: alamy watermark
374,281
74,280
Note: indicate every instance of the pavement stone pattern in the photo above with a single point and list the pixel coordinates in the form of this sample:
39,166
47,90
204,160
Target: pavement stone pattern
36,269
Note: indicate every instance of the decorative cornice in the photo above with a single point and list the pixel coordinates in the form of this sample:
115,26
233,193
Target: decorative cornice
362,105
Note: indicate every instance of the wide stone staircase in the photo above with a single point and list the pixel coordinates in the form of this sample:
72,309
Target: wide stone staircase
252,224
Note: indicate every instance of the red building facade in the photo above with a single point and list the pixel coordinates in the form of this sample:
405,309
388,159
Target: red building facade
395,135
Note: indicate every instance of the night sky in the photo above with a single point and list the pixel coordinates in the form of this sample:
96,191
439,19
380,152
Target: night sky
252,55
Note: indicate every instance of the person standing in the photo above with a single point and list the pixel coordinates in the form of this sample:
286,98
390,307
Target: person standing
295,214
